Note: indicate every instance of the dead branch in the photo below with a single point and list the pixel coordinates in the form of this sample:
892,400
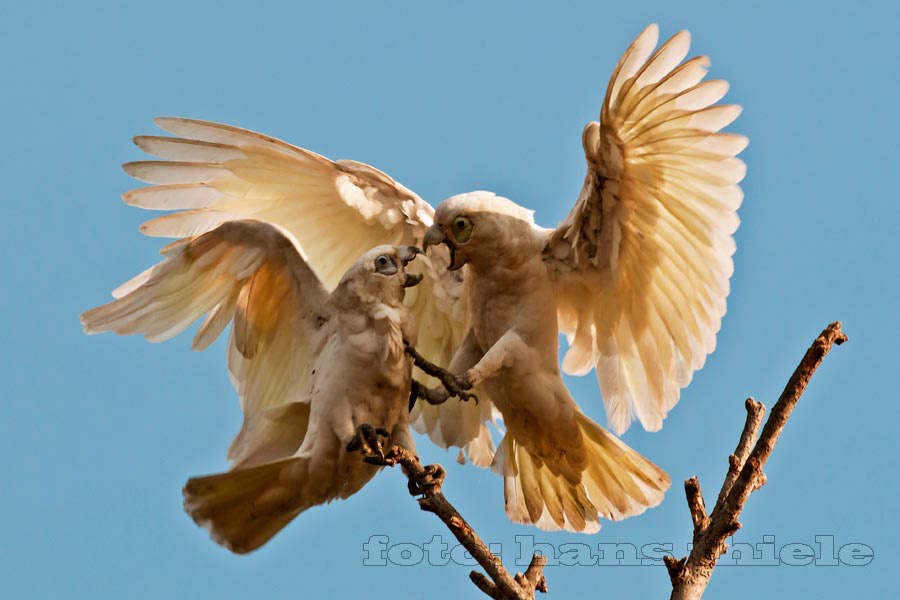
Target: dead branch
690,575
498,584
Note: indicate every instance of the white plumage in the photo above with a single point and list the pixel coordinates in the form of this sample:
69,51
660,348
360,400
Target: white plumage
644,258
310,367
636,276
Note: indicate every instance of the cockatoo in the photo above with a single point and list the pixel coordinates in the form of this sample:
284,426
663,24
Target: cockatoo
636,276
320,375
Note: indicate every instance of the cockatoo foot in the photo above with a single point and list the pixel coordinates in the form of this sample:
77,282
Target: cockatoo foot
455,385
370,441
430,395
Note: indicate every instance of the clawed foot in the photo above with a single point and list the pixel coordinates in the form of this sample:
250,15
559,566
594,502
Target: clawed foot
370,441
454,385
433,476
439,395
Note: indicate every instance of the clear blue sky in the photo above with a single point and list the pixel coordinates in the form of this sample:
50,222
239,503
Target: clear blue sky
98,434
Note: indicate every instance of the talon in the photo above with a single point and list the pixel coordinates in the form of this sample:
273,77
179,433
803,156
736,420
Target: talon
466,396
455,384
463,382
368,441
388,459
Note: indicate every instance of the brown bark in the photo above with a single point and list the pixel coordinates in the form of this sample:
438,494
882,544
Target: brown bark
498,583
745,475
689,575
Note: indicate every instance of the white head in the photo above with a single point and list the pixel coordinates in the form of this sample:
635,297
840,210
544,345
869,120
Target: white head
477,227
380,275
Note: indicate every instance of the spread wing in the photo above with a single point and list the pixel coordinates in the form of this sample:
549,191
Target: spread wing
337,210
251,274
643,260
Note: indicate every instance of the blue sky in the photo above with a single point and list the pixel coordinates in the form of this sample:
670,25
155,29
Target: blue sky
98,434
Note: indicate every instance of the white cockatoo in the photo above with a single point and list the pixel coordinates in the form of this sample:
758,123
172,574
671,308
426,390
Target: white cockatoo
636,276
320,375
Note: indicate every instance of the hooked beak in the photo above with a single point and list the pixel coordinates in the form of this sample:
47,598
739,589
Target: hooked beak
434,236
406,255
412,280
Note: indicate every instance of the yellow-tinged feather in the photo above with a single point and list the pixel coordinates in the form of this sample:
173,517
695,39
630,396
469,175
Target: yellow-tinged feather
646,256
245,270
186,150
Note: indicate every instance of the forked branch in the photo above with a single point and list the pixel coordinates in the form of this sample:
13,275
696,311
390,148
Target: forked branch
689,575
745,475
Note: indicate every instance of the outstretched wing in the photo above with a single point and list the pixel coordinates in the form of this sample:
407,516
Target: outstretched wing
643,260
337,210
252,274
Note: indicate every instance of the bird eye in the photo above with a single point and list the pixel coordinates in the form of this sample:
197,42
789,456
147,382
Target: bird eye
462,229
385,265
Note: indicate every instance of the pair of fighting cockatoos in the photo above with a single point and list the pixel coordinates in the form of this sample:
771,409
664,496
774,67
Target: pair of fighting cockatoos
636,277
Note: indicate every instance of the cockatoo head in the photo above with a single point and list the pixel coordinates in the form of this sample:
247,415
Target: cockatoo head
380,274
476,226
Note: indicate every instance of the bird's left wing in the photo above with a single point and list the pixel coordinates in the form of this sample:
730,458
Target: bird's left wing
643,260
254,275
337,210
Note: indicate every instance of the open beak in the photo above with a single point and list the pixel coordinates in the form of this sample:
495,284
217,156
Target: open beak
434,236
406,255
411,280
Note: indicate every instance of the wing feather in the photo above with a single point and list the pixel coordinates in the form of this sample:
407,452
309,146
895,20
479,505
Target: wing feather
644,258
254,275
212,173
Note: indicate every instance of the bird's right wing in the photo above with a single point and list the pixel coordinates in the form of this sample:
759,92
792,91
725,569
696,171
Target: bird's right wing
337,210
643,260
253,274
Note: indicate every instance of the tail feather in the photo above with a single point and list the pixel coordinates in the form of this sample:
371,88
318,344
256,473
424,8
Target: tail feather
244,508
616,482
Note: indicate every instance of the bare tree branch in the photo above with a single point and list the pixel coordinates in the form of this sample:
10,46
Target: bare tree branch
498,584
690,575
755,413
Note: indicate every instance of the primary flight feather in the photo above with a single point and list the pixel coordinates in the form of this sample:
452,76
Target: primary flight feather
636,276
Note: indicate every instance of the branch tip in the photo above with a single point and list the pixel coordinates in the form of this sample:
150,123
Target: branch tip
690,575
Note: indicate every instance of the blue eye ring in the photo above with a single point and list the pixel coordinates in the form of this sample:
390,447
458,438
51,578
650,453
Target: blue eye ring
385,265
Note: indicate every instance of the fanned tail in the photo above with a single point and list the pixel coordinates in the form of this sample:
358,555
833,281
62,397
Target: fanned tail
244,508
616,482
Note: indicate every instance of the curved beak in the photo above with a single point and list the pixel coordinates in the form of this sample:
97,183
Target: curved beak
436,235
412,280
406,255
